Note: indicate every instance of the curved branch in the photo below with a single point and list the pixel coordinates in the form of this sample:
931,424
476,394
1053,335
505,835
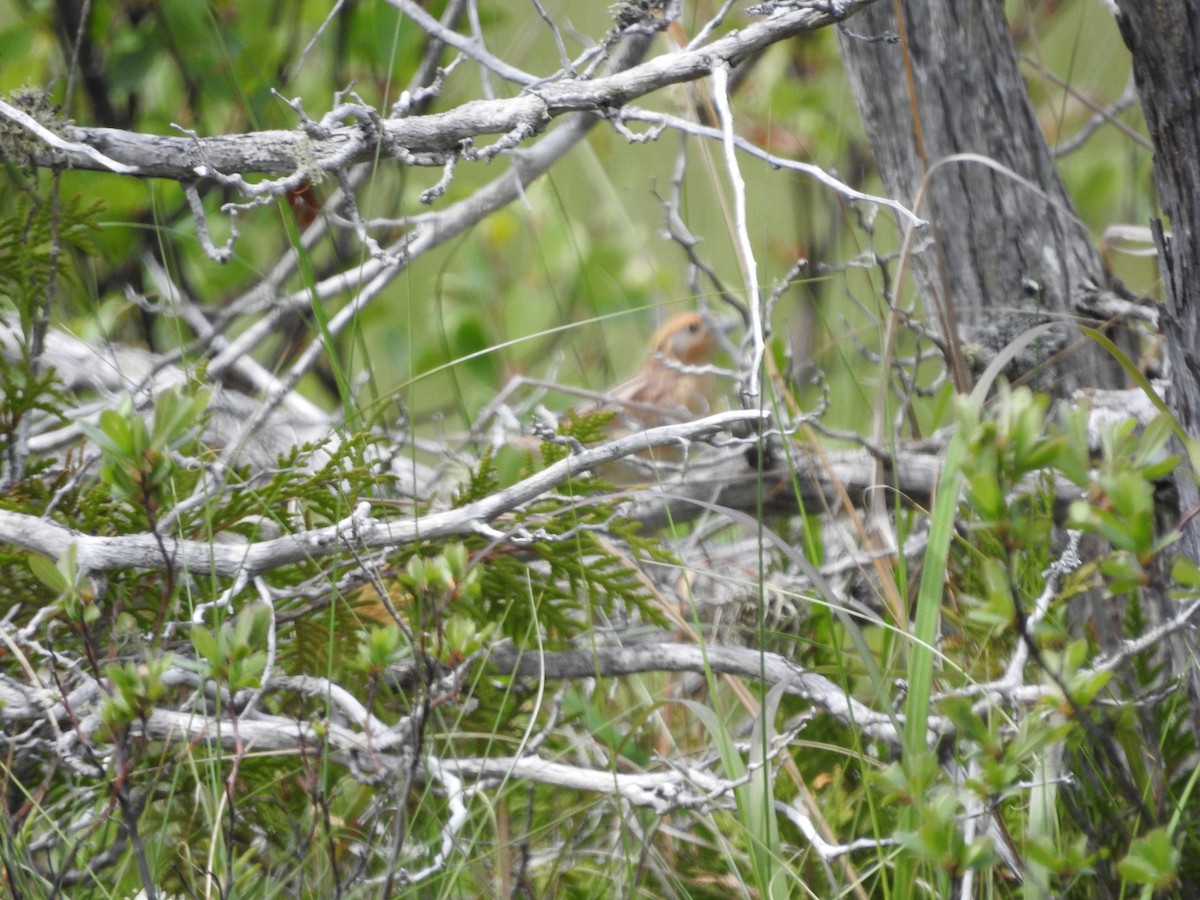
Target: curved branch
743,662
158,552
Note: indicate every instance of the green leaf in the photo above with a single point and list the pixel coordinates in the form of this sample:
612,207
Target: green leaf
47,572
985,494
1185,572
1152,860
206,645
252,626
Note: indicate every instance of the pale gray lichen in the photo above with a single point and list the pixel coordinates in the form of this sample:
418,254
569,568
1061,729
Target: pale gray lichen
18,145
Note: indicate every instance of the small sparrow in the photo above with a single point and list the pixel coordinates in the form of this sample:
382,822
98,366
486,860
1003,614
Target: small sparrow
667,388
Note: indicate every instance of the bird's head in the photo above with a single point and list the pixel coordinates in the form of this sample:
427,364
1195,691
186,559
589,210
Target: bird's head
687,338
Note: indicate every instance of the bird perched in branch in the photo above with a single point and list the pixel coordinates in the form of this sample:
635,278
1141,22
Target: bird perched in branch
669,386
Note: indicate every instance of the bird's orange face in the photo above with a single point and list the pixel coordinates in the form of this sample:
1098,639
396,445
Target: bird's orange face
687,338
663,390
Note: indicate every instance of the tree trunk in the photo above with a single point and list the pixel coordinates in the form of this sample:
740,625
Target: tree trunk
950,85
1164,38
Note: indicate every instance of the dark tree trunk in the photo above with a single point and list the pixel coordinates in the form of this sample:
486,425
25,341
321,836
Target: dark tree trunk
1164,38
1006,255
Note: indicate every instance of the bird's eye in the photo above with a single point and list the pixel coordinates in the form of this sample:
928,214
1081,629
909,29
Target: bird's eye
693,327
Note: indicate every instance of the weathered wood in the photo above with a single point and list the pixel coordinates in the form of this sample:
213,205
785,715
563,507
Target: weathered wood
1007,239
1164,38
